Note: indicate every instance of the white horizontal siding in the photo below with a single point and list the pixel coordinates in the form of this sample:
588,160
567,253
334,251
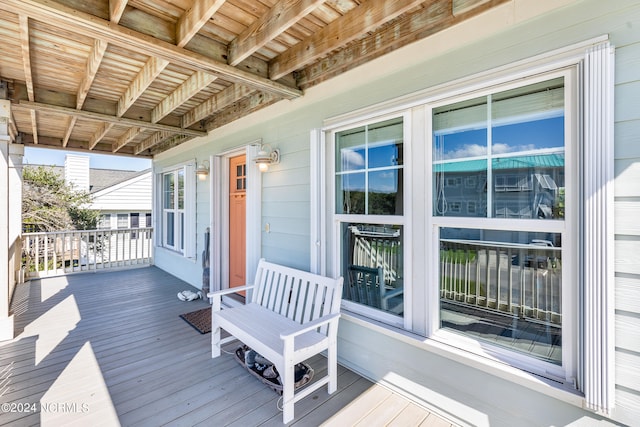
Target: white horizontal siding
132,195
628,293
628,334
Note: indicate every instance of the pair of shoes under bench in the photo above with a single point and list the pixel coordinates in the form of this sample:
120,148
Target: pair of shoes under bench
189,295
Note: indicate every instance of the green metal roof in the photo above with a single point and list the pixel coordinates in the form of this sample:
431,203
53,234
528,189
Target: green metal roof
539,161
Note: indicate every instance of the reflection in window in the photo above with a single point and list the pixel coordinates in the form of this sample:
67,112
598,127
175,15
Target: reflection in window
503,288
373,266
369,169
514,142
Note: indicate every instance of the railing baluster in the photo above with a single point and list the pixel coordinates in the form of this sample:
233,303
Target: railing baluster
47,253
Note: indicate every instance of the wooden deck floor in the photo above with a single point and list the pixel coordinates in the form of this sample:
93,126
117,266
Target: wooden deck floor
109,349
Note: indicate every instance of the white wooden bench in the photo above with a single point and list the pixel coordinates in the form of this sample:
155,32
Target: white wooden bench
290,316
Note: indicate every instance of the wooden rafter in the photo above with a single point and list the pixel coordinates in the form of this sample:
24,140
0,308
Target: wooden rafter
221,100
28,77
152,141
100,133
280,17
116,9
189,88
194,18
364,18
67,133
432,18
95,27
124,139
145,77
89,115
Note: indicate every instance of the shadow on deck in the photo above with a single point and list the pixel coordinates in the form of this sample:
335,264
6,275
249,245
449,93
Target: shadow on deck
110,349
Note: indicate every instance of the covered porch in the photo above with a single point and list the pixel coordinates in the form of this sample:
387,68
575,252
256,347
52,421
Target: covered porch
109,348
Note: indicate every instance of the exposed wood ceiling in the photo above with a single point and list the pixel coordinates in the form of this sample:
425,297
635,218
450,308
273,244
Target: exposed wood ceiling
137,77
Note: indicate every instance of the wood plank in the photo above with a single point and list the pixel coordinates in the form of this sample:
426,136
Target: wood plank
366,17
115,341
93,63
92,26
461,6
125,138
25,44
218,102
267,27
149,72
116,9
412,415
89,115
100,133
194,19
182,94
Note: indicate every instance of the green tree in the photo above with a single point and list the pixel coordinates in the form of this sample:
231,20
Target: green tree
49,204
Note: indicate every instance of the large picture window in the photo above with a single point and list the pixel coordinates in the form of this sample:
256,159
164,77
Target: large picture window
369,168
501,264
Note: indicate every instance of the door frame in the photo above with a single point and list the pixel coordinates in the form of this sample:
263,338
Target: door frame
219,208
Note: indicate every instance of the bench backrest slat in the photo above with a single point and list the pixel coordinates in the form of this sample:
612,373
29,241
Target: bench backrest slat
298,295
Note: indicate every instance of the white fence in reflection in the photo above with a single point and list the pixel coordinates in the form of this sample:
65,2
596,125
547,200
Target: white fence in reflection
519,280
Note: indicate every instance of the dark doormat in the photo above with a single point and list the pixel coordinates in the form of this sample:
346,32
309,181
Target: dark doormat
199,319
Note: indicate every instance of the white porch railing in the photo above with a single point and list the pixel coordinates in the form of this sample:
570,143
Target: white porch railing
65,252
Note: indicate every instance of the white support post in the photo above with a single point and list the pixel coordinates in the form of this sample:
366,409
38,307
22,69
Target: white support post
10,218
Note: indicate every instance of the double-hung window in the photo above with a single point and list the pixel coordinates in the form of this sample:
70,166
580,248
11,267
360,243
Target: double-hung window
512,181
505,270
369,212
177,203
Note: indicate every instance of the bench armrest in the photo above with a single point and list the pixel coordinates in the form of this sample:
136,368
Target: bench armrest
229,291
314,324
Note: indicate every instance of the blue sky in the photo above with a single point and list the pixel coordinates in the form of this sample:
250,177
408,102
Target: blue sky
51,157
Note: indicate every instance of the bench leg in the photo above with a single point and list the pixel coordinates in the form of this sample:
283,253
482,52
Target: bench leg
288,388
215,339
332,368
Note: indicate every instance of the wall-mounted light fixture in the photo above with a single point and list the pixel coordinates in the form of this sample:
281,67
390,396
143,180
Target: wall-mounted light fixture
266,156
203,170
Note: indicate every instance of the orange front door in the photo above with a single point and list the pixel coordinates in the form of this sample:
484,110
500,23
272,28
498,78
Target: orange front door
237,220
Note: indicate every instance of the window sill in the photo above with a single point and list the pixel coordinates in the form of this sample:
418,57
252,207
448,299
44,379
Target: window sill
176,254
486,364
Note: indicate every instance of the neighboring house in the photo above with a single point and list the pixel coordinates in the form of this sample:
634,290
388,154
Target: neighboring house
122,197
507,307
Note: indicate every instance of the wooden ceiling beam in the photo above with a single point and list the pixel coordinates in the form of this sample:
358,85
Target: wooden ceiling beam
152,141
432,18
100,133
194,19
93,63
92,26
116,9
182,94
89,115
67,133
217,102
358,21
125,138
26,55
280,17
149,72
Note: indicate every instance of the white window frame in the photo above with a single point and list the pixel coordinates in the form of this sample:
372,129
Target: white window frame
189,210
593,360
403,220
566,228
